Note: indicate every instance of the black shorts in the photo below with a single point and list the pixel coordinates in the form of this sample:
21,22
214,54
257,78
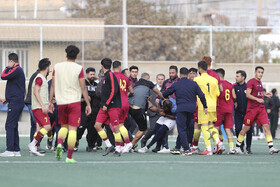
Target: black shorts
140,118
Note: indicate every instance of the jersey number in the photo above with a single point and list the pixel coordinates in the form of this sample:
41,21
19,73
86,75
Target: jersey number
227,94
123,85
208,85
46,119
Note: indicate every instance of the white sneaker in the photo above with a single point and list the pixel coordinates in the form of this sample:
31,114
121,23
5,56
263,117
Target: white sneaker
36,154
231,152
238,151
262,136
143,150
127,148
7,154
273,150
17,154
32,147
164,150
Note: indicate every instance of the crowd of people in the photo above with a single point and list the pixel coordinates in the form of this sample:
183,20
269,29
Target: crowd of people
113,107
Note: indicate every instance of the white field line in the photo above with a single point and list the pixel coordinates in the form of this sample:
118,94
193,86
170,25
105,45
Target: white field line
142,162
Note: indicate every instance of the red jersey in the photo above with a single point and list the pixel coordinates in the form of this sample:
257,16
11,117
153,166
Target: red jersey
257,91
225,99
212,73
124,84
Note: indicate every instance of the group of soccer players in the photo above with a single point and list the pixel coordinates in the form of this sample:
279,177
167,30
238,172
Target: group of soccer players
124,100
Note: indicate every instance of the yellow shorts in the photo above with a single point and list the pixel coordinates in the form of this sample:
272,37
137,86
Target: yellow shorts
205,118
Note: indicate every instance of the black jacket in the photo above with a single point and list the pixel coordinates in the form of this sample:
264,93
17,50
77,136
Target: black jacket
29,91
110,97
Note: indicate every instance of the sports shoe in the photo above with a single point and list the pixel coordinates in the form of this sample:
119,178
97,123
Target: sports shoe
273,150
187,153
32,147
175,151
40,150
116,154
231,152
195,150
238,151
7,154
220,148
127,148
58,153
70,161
36,153
143,150
155,150
108,150
205,152
164,150
248,151
49,144
17,154
90,149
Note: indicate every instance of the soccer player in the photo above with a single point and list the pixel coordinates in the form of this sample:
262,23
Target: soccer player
14,94
40,101
209,86
68,84
125,87
256,111
240,107
110,108
186,92
225,108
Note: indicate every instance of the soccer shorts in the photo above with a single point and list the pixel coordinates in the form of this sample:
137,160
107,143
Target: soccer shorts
41,118
257,114
140,118
170,123
224,118
206,118
110,116
70,114
124,113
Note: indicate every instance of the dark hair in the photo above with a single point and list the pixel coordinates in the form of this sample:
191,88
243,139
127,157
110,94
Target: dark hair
43,64
264,90
184,71
117,64
193,70
221,71
106,63
202,65
90,69
273,91
13,57
167,104
101,73
72,52
173,67
259,67
123,71
243,73
133,67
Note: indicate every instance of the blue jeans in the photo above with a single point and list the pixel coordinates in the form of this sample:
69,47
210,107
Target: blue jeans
33,123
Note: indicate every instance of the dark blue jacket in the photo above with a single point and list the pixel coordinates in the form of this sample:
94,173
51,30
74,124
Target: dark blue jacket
186,92
15,88
241,99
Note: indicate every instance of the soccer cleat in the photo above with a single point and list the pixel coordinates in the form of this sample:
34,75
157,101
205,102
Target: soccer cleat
195,150
273,150
205,152
187,153
40,150
7,154
164,151
116,154
127,148
108,150
175,151
49,144
59,151
143,150
36,154
17,154
70,161
238,151
220,148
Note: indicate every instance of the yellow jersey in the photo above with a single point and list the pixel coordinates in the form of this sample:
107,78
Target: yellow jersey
209,86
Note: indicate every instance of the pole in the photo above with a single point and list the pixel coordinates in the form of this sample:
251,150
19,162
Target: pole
41,41
125,37
35,9
254,51
211,41
83,47
15,9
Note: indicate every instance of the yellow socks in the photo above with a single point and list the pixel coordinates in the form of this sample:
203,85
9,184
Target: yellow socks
206,137
104,137
124,134
62,133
